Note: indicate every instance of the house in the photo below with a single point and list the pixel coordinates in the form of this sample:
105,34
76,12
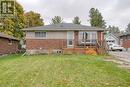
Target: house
63,37
8,44
125,40
112,39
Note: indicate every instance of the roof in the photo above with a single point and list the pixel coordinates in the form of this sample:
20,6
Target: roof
111,34
63,27
116,34
8,36
125,34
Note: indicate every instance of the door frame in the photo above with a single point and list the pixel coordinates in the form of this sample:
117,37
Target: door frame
68,39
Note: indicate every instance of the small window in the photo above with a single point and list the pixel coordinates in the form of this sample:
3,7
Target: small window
40,34
10,42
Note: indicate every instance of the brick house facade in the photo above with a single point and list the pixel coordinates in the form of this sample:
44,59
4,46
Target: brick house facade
52,43
59,37
8,44
125,40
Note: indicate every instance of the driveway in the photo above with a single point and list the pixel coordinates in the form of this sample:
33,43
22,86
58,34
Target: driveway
124,56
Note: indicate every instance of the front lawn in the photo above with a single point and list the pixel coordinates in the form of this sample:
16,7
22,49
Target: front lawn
61,71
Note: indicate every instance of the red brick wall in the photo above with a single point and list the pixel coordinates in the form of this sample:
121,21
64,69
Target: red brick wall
45,44
126,44
125,41
6,48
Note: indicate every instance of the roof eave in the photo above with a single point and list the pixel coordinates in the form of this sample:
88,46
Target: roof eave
64,30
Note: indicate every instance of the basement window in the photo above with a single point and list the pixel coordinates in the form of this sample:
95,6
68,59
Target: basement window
40,34
10,42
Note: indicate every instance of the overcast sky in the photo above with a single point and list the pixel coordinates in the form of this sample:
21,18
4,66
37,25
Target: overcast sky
115,12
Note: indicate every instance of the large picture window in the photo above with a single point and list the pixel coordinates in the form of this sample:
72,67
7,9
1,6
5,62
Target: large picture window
87,37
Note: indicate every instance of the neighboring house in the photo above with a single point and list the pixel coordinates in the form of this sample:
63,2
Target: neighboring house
60,37
8,44
125,40
112,39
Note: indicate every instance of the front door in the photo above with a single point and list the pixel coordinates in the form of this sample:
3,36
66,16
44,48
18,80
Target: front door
70,38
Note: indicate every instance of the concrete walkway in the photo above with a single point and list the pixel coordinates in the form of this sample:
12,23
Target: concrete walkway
121,58
124,56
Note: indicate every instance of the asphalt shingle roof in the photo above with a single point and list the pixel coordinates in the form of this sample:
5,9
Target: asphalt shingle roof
63,26
7,36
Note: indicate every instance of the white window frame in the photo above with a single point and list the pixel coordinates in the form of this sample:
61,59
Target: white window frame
41,34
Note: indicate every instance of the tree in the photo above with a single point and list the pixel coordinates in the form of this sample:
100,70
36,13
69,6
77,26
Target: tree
113,29
96,19
8,26
13,26
33,19
122,32
76,20
128,28
57,19
19,20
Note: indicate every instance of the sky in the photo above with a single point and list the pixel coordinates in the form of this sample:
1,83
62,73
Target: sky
114,12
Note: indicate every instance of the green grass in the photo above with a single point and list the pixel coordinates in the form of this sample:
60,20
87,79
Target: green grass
61,71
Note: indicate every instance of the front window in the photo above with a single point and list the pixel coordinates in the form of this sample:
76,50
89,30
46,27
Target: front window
87,37
40,34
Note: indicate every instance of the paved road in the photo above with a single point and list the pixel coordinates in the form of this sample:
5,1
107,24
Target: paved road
125,56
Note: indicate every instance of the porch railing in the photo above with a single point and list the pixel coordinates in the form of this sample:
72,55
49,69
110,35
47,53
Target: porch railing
80,43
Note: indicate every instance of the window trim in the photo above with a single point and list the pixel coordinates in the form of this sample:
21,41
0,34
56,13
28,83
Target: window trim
90,37
41,36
